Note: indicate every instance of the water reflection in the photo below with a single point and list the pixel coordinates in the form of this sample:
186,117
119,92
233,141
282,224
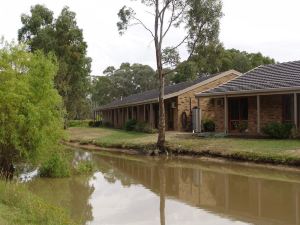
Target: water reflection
139,190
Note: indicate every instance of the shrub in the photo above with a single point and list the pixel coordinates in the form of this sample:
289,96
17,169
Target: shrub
79,123
84,167
140,126
144,127
56,166
95,123
278,130
209,126
130,125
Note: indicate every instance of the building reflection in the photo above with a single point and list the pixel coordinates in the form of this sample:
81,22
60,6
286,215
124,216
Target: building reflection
245,198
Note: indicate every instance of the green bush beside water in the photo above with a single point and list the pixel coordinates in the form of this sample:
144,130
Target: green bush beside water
56,166
18,206
84,167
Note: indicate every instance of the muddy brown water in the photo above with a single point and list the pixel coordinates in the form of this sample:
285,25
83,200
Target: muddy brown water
137,190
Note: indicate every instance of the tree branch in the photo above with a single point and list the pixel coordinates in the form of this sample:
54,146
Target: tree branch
180,43
193,48
141,23
174,18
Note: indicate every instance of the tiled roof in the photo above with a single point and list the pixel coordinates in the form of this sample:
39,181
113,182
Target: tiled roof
262,78
152,95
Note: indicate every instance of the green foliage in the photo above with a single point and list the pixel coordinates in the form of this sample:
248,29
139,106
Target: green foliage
243,61
84,167
133,125
209,125
186,71
56,166
214,58
95,123
130,125
91,123
19,206
31,114
102,90
79,123
170,56
62,36
278,130
144,127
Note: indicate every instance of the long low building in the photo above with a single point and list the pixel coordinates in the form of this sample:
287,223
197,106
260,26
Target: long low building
180,101
263,95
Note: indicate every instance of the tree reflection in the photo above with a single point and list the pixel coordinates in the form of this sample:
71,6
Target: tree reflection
72,194
80,189
162,192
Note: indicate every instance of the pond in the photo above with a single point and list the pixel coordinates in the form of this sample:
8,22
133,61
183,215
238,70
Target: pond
139,190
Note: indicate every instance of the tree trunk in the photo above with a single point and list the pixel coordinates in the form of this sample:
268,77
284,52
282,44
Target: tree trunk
158,44
162,124
7,169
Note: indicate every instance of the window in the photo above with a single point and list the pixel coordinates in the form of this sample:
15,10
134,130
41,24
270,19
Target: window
287,108
238,113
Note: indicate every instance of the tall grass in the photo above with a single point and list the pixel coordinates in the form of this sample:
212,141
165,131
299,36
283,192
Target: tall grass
19,207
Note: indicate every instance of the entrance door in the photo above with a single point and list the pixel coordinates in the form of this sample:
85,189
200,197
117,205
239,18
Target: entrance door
238,114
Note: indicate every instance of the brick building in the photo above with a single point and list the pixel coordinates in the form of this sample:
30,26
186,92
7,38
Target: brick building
179,101
247,103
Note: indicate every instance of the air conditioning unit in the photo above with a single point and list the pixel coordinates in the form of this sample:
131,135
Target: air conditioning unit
173,105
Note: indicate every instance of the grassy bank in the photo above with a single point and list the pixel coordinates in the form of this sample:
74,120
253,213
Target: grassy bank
258,150
19,207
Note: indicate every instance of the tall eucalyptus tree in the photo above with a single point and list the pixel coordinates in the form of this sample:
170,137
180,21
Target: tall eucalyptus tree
198,18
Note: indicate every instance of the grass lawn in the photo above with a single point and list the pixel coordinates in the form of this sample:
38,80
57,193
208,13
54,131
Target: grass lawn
18,206
280,151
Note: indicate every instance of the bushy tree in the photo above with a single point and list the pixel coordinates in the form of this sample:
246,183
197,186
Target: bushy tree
214,58
102,89
31,110
62,36
242,60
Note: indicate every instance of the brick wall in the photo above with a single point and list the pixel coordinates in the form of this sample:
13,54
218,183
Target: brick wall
270,111
188,101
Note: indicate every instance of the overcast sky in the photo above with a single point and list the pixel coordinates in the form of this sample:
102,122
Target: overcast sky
268,26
